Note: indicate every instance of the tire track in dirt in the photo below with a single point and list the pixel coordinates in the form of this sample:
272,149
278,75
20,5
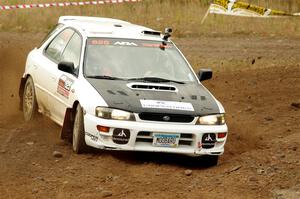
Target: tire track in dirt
11,134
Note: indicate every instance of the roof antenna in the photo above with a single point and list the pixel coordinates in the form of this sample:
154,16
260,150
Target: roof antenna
167,35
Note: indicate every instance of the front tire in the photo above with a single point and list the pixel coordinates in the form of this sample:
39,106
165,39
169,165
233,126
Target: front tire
209,160
30,107
78,141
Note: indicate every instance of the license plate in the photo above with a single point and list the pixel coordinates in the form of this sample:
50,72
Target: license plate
165,140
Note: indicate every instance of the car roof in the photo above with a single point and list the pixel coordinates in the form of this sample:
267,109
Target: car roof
107,27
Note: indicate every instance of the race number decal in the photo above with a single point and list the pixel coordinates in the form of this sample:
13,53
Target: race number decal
183,106
64,86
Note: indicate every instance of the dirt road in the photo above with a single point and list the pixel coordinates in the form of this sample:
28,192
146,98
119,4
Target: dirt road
256,78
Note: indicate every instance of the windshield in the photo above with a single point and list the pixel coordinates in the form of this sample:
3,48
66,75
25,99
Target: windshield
134,59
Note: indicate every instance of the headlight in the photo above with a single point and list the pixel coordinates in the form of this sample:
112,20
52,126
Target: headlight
115,114
212,120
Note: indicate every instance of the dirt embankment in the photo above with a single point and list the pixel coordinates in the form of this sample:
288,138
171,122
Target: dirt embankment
256,79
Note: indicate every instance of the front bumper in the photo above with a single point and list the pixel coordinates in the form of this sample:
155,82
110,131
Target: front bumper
141,136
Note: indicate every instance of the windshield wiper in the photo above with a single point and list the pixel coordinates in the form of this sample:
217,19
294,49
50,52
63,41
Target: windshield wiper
104,77
155,79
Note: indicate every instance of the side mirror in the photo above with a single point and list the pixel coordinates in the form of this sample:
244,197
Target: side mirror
205,74
67,67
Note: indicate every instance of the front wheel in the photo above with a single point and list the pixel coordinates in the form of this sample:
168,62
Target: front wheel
209,160
30,106
79,145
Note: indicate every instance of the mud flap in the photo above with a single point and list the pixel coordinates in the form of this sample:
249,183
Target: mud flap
21,92
66,131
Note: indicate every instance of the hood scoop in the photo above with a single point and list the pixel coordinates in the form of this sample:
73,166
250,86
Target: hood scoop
152,87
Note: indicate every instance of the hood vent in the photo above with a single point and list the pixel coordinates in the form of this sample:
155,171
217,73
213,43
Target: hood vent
150,32
152,87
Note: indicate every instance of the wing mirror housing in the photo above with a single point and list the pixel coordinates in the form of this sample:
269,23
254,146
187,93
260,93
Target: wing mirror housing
67,67
205,74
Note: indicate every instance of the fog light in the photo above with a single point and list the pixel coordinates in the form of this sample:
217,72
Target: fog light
221,135
103,129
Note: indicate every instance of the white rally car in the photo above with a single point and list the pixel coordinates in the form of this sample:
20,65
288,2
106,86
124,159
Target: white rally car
114,85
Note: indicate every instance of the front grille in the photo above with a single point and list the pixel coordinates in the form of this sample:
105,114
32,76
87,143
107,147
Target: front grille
160,117
147,137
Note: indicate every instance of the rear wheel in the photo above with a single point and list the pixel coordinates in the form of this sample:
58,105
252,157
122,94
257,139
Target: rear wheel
79,145
30,106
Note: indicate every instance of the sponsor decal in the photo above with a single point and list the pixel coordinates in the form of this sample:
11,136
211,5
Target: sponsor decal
129,43
64,86
121,136
157,45
93,137
183,106
125,43
166,118
99,42
208,140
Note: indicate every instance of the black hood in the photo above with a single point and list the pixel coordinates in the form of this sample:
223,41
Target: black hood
117,94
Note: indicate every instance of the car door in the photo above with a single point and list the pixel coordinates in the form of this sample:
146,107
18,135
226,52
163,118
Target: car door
38,66
61,96
48,71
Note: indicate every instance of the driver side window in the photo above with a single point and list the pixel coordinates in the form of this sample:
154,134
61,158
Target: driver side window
56,47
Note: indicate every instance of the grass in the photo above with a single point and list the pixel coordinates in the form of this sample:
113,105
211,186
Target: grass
183,15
